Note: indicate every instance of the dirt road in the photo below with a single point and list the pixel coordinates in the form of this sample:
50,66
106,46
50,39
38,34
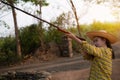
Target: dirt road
68,68
61,64
84,73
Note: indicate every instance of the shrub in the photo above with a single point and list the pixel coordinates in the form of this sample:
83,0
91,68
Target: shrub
8,51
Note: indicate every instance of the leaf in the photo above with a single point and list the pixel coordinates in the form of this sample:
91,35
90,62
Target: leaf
4,24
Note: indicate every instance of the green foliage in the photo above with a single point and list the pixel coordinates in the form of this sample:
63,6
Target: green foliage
29,38
63,21
37,2
14,1
7,59
8,51
53,35
5,24
8,45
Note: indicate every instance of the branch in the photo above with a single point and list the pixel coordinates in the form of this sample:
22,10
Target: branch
76,17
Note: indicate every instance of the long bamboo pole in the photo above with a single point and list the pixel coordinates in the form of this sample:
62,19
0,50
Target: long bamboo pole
58,28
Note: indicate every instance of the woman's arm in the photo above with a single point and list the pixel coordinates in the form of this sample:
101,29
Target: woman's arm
91,50
72,36
86,56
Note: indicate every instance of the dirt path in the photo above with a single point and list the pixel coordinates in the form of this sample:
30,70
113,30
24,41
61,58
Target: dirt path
116,70
84,73
68,68
62,64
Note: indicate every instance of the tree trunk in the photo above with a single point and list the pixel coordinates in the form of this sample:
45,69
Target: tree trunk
76,17
16,30
70,47
40,28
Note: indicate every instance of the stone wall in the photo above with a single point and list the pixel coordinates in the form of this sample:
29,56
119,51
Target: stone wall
26,76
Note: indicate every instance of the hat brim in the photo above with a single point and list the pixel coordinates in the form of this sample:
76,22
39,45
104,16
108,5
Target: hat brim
108,36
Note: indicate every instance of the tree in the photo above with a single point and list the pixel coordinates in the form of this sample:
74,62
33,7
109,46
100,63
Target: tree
63,21
12,2
40,3
29,36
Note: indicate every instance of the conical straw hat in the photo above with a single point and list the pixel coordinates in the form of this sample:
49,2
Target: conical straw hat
102,33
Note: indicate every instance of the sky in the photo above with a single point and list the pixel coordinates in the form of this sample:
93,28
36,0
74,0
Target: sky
87,13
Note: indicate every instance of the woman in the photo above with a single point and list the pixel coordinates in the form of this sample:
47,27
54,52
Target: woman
100,54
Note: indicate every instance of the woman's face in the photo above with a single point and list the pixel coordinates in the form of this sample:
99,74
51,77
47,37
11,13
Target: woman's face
99,42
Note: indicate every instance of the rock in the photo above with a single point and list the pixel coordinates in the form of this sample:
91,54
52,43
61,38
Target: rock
45,75
12,75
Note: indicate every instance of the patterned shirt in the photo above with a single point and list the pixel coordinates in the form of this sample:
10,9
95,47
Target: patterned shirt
101,61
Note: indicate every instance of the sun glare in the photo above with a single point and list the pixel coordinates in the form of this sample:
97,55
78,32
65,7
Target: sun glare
98,13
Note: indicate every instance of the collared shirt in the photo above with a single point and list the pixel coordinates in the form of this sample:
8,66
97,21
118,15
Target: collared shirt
101,61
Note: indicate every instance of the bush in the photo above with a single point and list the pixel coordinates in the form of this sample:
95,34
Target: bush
29,39
7,59
53,35
8,51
